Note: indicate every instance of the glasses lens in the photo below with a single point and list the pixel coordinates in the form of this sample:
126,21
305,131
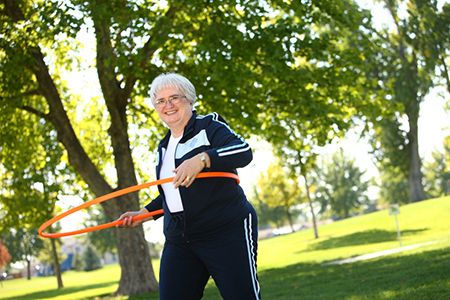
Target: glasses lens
174,100
160,103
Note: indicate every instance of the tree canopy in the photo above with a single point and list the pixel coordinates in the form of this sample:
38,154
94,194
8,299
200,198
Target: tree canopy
23,245
437,172
291,72
251,61
276,188
340,186
412,57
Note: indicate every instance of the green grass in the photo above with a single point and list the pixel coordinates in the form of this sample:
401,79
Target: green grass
289,266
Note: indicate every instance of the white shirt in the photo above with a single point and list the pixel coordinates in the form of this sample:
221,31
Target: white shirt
173,197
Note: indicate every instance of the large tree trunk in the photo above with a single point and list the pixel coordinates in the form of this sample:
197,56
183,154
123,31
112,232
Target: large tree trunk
415,174
407,87
412,109
134,256
136,265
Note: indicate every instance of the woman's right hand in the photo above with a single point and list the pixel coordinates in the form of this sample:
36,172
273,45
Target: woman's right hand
128,219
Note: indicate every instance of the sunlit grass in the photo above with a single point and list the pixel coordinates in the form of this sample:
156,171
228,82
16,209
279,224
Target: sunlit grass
290,266
77,285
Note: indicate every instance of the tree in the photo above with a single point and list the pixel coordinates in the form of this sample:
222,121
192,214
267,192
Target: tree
437,172
51,254
156,249
5,257
33,37
267,215
430,22
341,189
90,259
249,60
23,244
322,92
276,189
391,152
405,68
77,261
32,177
103,240
393,186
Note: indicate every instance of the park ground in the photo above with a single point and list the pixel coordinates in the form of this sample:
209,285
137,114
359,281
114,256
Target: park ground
298,266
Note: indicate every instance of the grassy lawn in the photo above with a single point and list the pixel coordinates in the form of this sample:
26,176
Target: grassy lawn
290,266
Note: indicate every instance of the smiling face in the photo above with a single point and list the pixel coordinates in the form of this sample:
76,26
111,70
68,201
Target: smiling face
176,116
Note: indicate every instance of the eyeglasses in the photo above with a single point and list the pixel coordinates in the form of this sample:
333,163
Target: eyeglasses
175,99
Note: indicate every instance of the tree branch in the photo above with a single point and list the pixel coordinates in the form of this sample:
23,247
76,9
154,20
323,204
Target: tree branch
161,29
105,68
445,71
13,10
35,112
27,108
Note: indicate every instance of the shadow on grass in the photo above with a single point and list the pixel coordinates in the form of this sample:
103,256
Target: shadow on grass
361,238
424,275
60,292
417,276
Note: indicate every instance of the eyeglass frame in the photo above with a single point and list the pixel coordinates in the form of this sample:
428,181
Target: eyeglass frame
171,98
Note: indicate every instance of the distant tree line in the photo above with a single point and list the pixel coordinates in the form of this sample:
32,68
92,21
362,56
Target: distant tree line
340,189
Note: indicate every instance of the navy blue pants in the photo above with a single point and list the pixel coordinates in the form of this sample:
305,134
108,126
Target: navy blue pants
229,258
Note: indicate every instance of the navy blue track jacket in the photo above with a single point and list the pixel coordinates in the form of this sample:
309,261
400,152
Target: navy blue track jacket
211,204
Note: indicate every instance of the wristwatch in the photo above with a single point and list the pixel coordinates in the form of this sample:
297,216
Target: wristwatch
202,158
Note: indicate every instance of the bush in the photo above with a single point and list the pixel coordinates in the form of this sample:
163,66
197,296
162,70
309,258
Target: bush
77,262
90,259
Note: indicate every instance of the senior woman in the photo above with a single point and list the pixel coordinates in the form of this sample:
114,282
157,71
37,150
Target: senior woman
209,226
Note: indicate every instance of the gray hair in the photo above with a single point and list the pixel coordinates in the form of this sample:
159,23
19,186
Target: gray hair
176,81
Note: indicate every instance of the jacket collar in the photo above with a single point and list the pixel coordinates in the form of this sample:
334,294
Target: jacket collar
189,127
165,141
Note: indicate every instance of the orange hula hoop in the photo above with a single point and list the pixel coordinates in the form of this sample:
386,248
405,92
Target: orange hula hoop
114,195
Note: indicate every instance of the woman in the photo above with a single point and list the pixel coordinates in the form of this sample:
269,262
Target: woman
210,227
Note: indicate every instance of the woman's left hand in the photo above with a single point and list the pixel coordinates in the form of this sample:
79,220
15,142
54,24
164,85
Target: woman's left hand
128,219
188,171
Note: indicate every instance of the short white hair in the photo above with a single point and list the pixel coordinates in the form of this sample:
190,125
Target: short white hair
176,81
